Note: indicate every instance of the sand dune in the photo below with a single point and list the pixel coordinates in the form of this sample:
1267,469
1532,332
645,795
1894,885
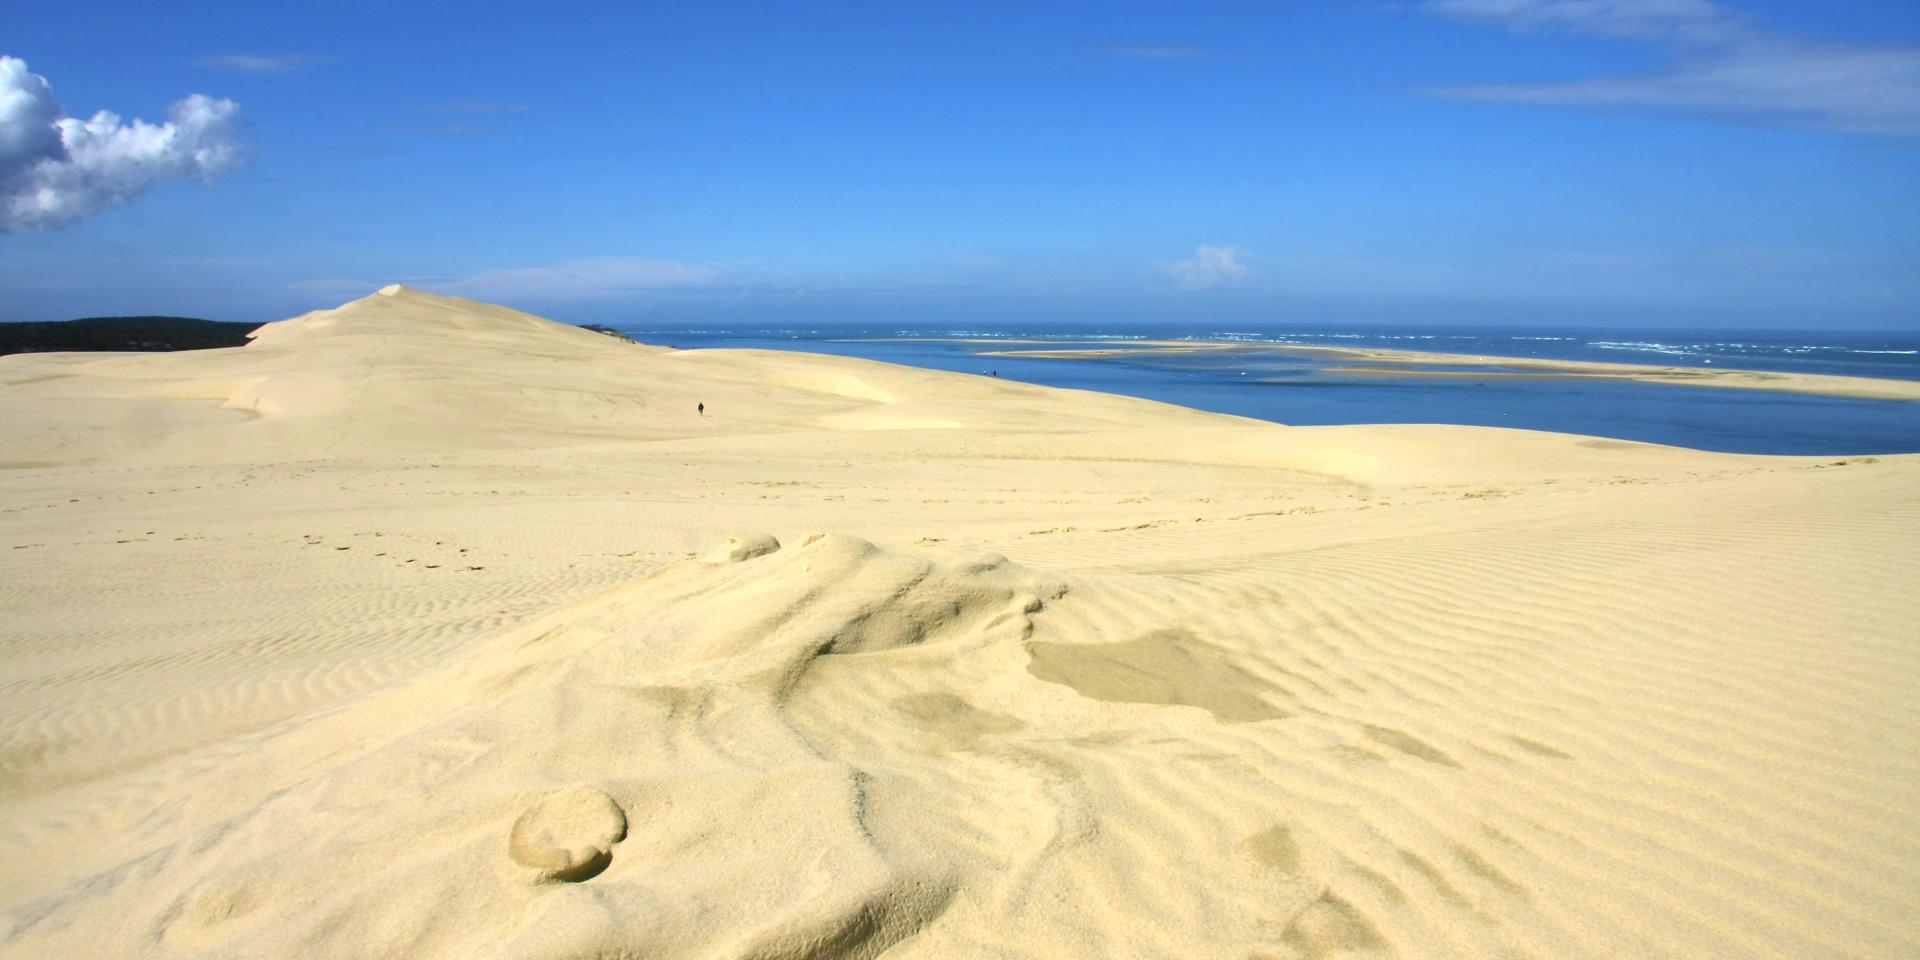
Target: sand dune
426,628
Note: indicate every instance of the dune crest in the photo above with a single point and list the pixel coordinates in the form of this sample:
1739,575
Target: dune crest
422,627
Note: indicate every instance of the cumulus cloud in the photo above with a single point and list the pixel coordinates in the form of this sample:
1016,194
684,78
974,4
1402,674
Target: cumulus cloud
55,169
1209,268
1722,65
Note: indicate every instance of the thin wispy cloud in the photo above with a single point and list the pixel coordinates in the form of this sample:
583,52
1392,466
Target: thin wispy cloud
587,279
1210,268
330,289
482,107
448,129
1693,20
56,169
1721,65
1156,51
460,118
265,63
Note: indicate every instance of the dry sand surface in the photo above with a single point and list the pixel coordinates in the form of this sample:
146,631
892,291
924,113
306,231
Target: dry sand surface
425,628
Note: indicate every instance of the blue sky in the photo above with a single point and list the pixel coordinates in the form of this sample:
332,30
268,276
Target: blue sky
1629,162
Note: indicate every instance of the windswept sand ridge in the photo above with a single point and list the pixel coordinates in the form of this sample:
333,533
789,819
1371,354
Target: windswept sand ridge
372,678
667,697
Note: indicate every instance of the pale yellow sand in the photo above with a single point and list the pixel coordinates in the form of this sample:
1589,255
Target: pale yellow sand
414,630
1380,361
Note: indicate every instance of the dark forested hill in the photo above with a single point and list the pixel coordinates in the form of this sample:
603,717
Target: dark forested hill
122,333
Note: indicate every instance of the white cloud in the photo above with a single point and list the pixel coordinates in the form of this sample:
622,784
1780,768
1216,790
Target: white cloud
265,62
55,169
1210,267
1651,19
1857,90
589,279
1722,66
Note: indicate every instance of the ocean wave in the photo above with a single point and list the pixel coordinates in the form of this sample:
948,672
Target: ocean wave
1643,346
1738,346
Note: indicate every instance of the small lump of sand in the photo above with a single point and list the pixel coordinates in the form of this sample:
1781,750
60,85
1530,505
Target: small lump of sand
569,835
744,547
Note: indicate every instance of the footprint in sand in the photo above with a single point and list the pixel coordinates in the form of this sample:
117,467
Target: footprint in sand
569,835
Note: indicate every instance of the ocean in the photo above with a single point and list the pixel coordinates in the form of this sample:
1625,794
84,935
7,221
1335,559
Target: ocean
1271,384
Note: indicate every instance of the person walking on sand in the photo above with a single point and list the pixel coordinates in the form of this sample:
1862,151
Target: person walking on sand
702,407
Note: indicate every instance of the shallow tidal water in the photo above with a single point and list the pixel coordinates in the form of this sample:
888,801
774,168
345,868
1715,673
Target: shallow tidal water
1270,384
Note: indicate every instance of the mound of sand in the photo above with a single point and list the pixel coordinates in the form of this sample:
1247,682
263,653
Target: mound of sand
427,628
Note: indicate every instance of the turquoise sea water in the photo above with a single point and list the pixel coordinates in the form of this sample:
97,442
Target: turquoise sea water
1268,383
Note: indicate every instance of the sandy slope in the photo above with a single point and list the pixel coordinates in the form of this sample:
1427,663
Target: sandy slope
413,629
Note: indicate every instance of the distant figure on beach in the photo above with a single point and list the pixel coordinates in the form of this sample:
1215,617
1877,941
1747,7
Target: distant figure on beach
702,407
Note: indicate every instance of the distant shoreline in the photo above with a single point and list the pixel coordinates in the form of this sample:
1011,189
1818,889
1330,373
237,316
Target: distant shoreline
1380,361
